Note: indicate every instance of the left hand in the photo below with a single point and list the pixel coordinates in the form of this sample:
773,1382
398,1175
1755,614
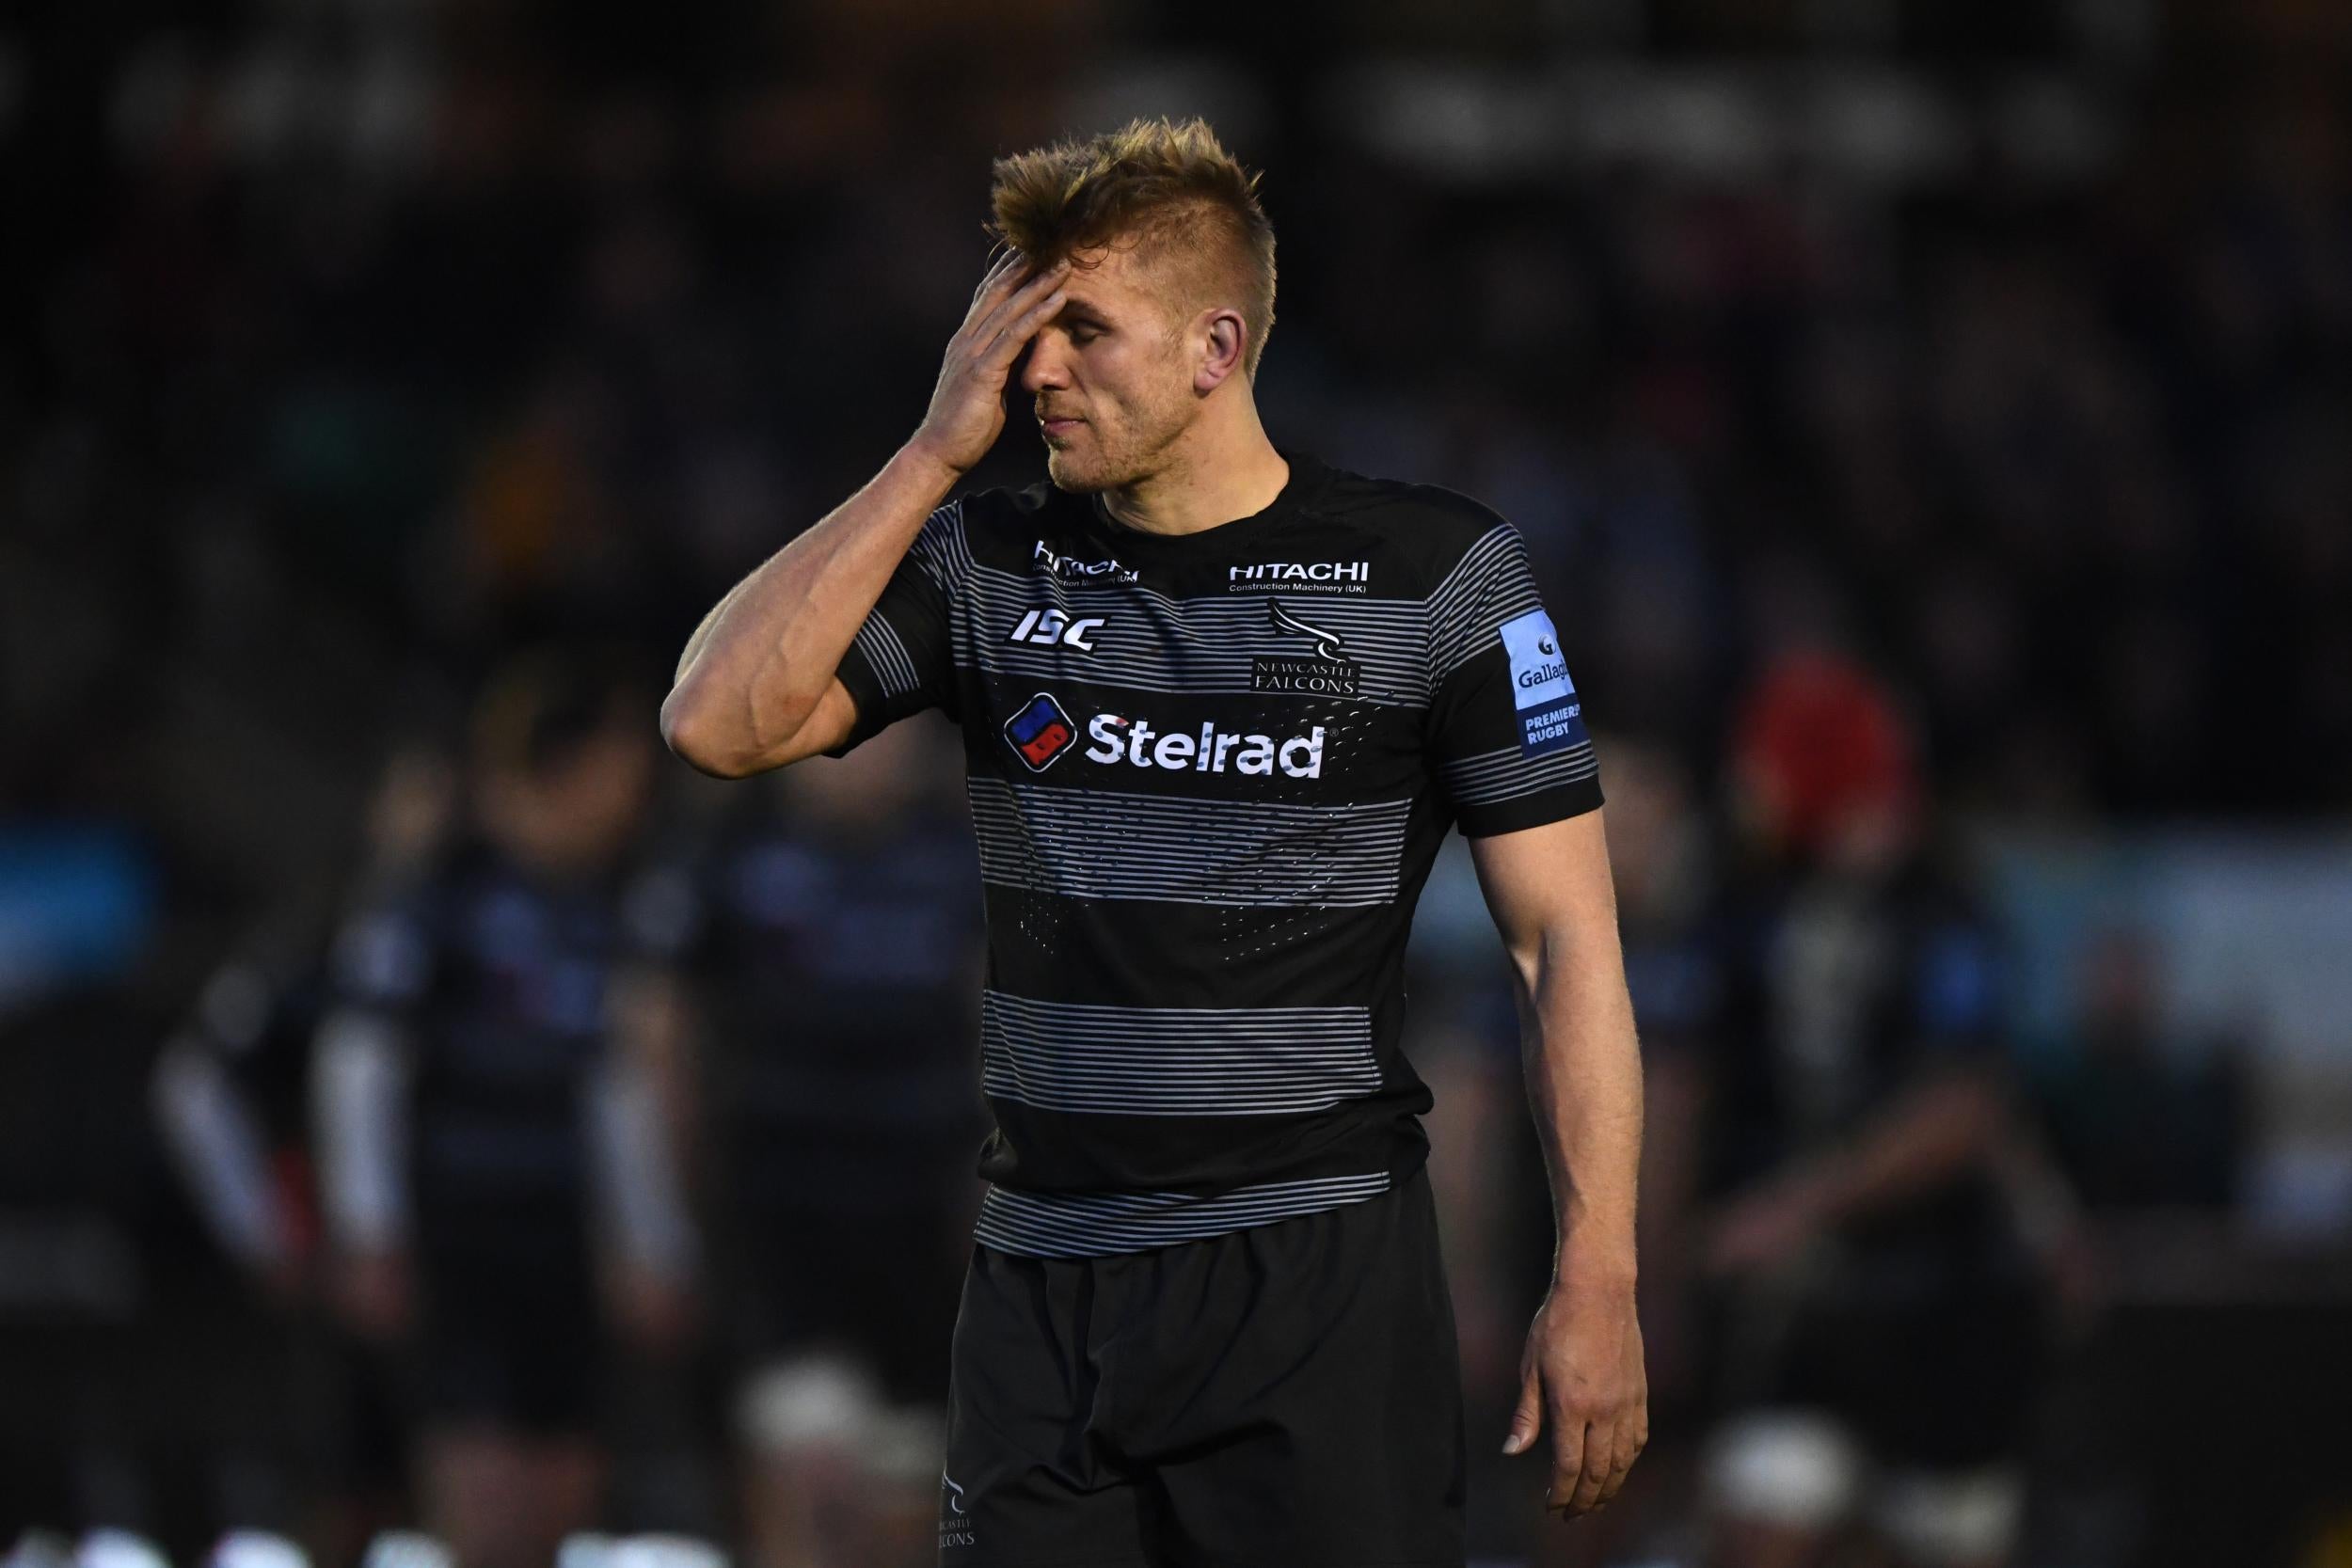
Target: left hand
1583,1371
654,1312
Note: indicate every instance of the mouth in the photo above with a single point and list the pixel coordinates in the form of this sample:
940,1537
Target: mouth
1059,425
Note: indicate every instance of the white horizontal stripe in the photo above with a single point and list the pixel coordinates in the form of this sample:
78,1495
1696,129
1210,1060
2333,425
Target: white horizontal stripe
1490,585
880,642
1105,1103
1158,642
1122,1205
1507,757
1505,775
1112,843
1174,1061
1202,647
1179,1017
1079,1225
942,550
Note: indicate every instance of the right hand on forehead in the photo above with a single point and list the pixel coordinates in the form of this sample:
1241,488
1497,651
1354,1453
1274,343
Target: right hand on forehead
967,411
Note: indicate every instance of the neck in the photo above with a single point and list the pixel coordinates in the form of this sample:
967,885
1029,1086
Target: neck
1221,469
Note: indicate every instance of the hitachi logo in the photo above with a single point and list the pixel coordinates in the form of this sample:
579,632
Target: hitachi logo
1058,564
1292,571
1136,741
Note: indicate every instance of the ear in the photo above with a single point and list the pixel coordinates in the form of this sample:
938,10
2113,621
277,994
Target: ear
1222,337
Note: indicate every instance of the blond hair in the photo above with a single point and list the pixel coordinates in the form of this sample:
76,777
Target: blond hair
1166,185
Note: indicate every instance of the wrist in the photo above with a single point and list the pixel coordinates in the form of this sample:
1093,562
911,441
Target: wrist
1590,1258
924,462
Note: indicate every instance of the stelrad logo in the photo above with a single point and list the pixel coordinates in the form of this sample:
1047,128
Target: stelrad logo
1134,741
1040,732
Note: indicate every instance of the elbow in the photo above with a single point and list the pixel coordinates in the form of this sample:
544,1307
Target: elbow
1536,953
696,727
692,731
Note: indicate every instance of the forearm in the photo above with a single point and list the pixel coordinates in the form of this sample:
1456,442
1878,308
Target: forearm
218,1141
759,661
359,1106
640,1190
1938,1129
1583,1071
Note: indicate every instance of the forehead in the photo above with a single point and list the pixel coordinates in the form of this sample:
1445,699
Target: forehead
1123,279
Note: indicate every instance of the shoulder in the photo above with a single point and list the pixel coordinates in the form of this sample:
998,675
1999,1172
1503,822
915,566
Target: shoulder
1439,530
1001,509
996,526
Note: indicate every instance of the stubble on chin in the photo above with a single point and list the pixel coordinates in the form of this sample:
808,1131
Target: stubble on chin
1067,474
1090,471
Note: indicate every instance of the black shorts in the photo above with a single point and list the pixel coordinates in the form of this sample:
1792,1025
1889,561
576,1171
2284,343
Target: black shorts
810,1281
513,1333
1287,1396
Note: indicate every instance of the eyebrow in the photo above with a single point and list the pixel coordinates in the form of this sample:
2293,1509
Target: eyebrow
1080,310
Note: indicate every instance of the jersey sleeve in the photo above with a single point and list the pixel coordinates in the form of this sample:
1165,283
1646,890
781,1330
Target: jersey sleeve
383,959
361,1071
1957,987
1507,726
901,661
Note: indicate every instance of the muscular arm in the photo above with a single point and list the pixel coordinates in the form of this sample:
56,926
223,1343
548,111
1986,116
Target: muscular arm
1583,1371
1550,893
755,688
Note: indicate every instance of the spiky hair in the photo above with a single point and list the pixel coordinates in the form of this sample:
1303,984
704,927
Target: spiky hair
1167,187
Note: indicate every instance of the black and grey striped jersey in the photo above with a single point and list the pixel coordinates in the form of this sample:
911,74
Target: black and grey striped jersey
1208,775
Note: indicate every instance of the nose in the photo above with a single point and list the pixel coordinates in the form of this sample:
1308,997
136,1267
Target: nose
1045,369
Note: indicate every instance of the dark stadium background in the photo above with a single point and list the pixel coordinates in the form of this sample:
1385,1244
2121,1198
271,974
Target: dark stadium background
1987,364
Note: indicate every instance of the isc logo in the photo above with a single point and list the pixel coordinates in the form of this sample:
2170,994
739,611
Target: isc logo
1040,732
1047,627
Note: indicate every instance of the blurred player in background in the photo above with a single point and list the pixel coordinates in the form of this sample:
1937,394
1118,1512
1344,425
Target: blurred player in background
497,1095
1220,704
231,1093
837,950
1881,1318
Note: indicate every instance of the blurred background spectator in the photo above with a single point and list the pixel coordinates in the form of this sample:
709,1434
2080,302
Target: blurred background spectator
1919,415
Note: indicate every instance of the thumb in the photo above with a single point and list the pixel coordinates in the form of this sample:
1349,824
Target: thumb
1526,1419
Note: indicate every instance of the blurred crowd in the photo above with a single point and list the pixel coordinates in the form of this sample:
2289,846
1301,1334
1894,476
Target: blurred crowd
423,1104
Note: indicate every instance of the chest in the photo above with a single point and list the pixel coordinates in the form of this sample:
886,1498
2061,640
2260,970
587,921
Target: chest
1246,680
521,963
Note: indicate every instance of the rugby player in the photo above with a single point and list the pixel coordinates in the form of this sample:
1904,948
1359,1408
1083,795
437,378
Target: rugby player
1221,703
492,1093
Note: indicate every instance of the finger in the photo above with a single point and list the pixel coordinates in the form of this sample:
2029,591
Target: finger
1000,281
1629,1442
1016,304
1002,293
1600,1453
1018,331
997,271
1526,1419
1567,1459
996,353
